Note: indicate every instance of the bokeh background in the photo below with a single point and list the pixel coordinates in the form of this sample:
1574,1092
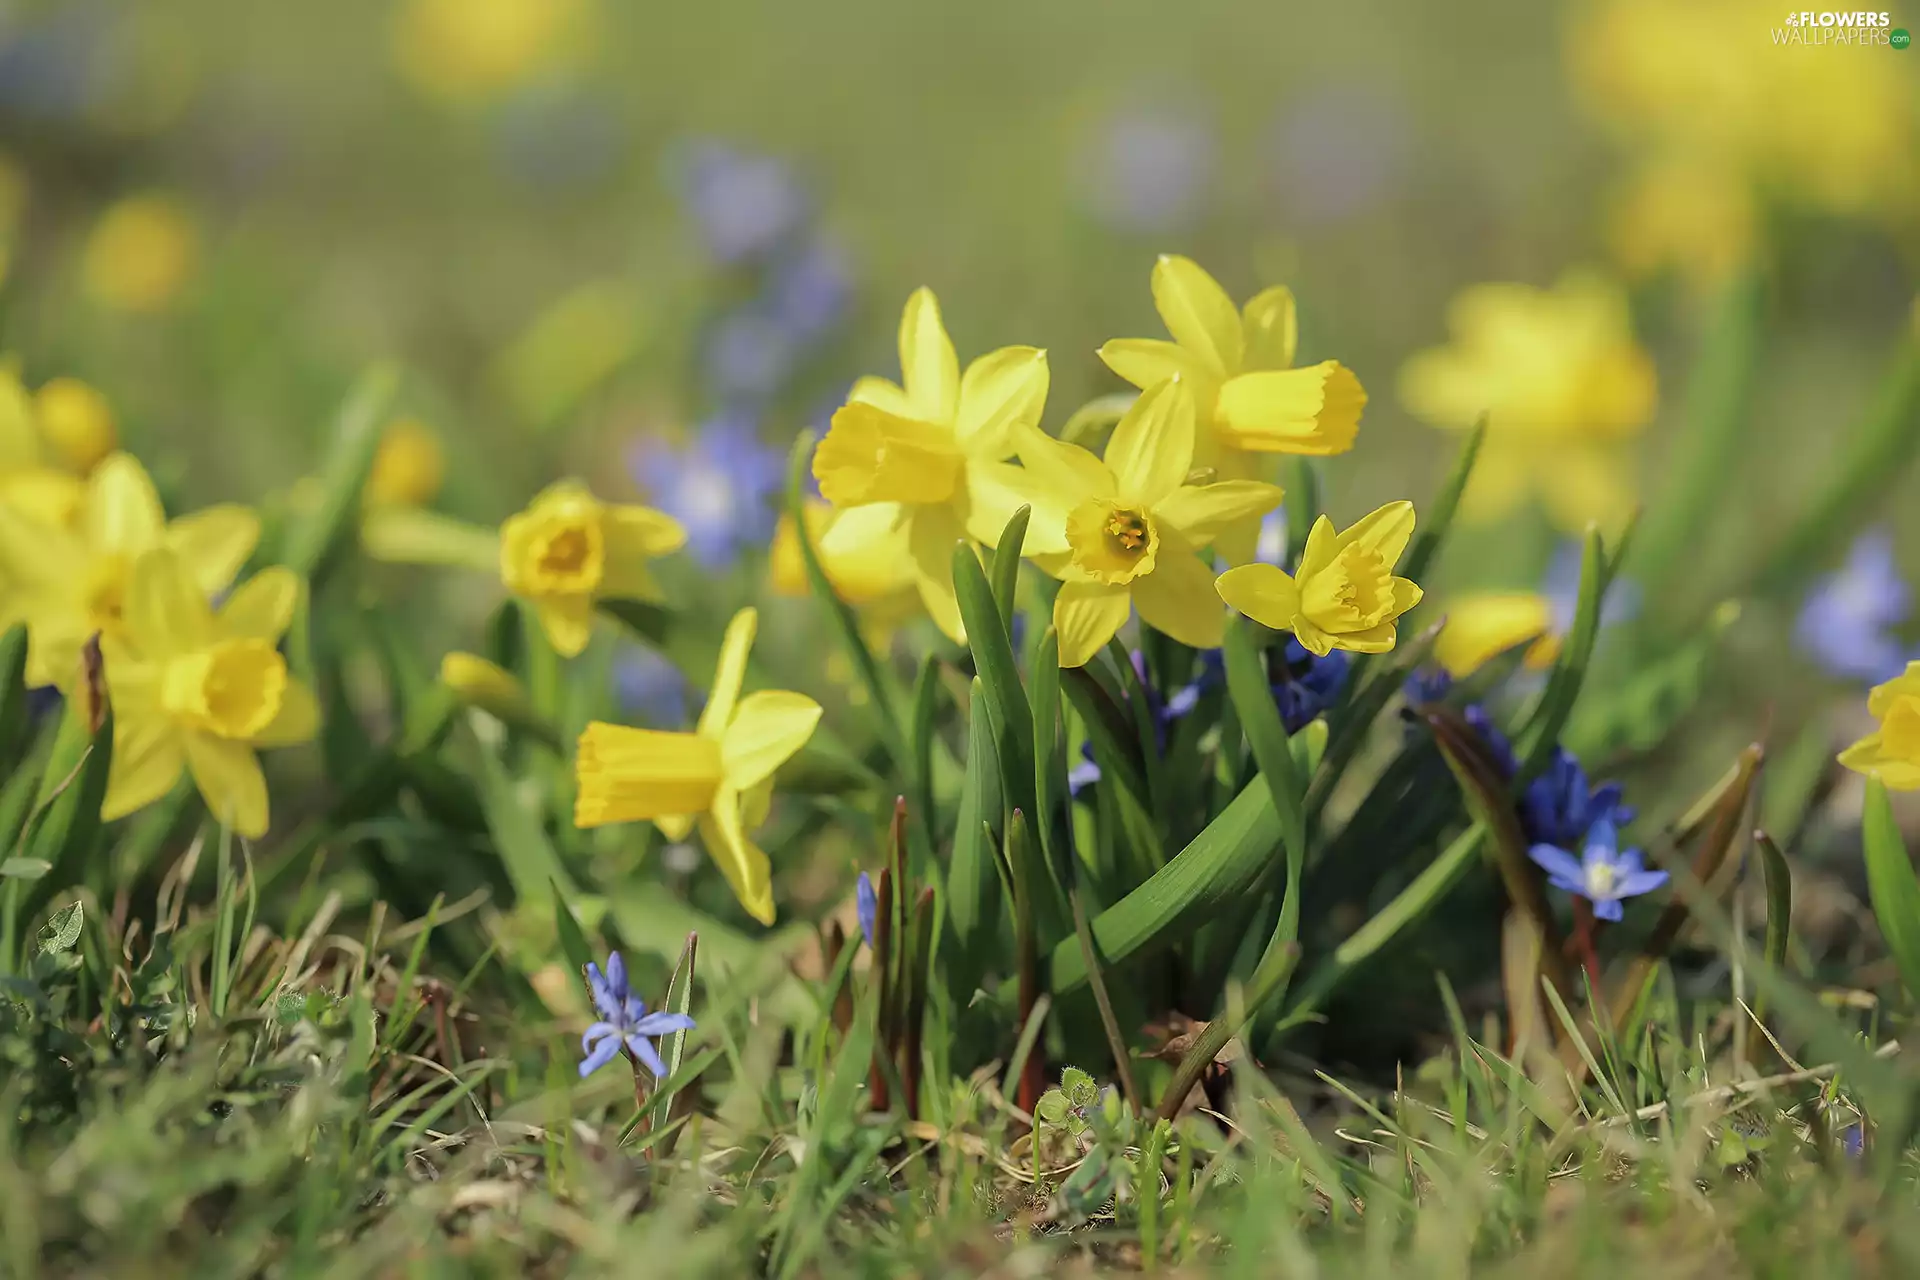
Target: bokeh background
649,244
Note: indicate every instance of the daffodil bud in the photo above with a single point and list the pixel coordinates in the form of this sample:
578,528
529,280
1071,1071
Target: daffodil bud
409,466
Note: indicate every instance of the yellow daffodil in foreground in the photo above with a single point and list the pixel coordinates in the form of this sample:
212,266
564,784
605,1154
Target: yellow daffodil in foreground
1135,529
1483,626
1893,751
1344,595
718,778
931,454
1238,366
76,422
200,690
70,581
1562,384
409,466
569,549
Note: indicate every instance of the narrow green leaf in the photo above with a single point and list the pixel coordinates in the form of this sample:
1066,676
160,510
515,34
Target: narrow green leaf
1542,730
573,943
356,436
25,868
1891,884
1259,717
673,1046
1437,521
972,878
71,792
14,740
1005,701
1353,722
1303,506
1006,565
1779,883
1639,713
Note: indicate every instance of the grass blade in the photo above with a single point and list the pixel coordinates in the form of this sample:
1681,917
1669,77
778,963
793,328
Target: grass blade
1891,884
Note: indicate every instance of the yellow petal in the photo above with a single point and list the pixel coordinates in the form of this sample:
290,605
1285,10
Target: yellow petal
213,543
740,860
1322,545
881,394
1200,512
870,455
19,442
628,775
1384,531
1870,756
634,532
767,728
932,534
1151,450
1377,639
1178,599
1069,474
1001,392
1481,627
147,760
1881,699
298,721
674,826
1313,411
995,490
1198,313
262,607
928,365
165,611
1271,329
1148,362
51,497
1262,592
729,673
123,513
567,621
228,775
1086,615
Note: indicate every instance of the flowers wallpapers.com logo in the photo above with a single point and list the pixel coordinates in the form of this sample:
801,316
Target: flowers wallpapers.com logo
1853,28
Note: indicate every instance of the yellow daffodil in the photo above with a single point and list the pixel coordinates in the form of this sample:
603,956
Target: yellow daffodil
1695,218
201,690
470,50
140,255
409,466
70,581
931,454
718,778
863,552
1482,626
76,422
1238,367
569,549
29,485
1134,527
1893,750
1344,595
1563,386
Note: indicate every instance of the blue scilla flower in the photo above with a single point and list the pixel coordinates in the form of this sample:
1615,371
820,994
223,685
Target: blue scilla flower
866,904
1306,684
1497,744
1426,686
720,484
1848,619
744,205
1150,168
626,1022
750,355
650,689
1604,875
1559,808
809,290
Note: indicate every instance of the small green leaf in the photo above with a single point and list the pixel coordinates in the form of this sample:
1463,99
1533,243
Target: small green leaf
673,1046
62,933
1006,565
355,440
1891,884
1779,881
25,868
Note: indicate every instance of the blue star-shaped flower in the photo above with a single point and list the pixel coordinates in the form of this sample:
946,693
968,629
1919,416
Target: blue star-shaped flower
1605,876
1559,808
720,485
626,1022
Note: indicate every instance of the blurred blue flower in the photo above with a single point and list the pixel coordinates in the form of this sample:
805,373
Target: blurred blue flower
866,902
749,356
1496,741
1305,685
1559,808
626,1022
810,290
1853,1139
1272,547
745,205
650,689
1339,150
1084,773
1150,168
1427,685
720,484
1847,621
1604,875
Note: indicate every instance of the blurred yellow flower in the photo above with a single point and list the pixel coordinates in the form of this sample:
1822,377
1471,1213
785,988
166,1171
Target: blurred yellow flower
863,552
409,466
77,421
140,255
486,685
28,485
200,690
464,51
1692,218
1134,527
1482,626
1563,385
1721,82
930,454
569,549
1238,367
1344,596
1893,751
719,777
71,581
